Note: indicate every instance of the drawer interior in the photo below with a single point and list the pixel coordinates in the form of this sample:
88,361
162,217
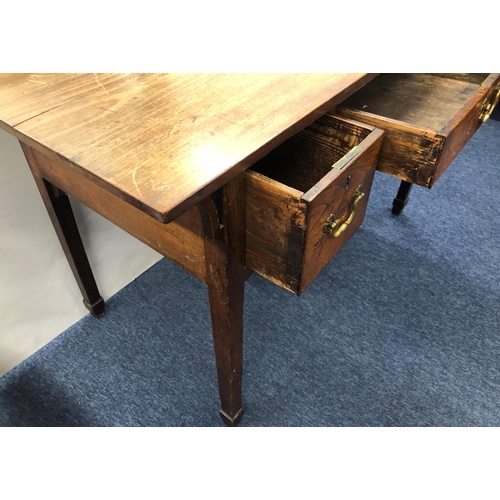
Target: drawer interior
422,100
304,159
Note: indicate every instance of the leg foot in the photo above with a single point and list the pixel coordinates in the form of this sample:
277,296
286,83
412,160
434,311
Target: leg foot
231,421
97,309
402,197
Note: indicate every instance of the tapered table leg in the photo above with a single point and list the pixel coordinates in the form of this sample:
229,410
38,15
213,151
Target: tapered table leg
61,214
402,197
225,290
224,228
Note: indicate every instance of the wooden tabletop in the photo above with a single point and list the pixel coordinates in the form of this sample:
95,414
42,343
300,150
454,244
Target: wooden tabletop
163,142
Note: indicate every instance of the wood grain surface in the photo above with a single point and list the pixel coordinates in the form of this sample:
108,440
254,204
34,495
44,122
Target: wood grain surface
163,142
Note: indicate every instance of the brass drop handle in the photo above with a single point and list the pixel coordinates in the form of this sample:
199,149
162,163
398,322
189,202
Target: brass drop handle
334,227
488,108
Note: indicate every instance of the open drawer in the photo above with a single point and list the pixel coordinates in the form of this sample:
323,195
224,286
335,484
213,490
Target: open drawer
307,197
427,118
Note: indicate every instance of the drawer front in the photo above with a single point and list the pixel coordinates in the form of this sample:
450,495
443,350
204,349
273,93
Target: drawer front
462,127
427,119
307,198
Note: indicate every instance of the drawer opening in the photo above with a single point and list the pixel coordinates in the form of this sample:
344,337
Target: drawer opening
422,100
304,159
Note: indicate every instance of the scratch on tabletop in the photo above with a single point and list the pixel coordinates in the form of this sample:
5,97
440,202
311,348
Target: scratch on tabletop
226,120
39,114
135,182
182,107
99,83
34,79
172,131
126,331
104,109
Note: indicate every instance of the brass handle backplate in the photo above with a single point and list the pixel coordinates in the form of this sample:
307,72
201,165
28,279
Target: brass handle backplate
334,227
489,107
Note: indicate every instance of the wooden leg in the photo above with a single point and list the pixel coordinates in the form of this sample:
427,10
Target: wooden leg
225,292
61,214
226,274
402,197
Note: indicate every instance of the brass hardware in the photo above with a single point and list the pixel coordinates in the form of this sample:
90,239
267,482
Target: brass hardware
334,227
488,108
339,165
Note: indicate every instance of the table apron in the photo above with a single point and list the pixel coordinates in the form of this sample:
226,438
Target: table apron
180,241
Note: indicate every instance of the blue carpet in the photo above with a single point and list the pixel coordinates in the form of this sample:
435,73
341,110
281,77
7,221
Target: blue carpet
402,328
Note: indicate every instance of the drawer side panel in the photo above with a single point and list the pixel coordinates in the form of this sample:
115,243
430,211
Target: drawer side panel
275,226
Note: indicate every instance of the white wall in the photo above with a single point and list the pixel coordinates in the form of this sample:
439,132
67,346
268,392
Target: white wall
39,297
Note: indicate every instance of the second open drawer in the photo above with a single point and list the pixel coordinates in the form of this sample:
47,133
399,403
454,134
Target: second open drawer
307,197
427,118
